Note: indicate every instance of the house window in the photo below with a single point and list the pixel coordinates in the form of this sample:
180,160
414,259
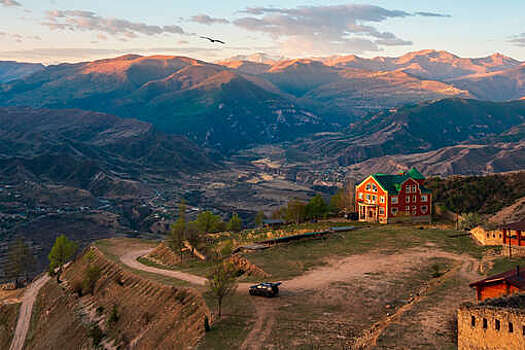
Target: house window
485,324
473,321
382,199
368,187
407,208
394,199
424,209
407,188
407,199
414,207
497,325
374,198
360,195
368,197
414,188
511,327
423,198
394,211
523,330
374,188
381,211
414,199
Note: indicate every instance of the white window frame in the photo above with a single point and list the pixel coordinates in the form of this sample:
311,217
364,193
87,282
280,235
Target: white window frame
414,198
374,198
407,188
360,195
414,188
368,186
423,198
381,211
382,199
407,199
394,211
395,199
374,188
424,209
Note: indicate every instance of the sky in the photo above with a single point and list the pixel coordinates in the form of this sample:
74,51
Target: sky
54,31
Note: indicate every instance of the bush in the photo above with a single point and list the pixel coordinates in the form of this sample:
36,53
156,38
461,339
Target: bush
76,286
470,220
92,274
100,310
96,334
114,316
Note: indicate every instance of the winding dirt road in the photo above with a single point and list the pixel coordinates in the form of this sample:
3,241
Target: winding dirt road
24,317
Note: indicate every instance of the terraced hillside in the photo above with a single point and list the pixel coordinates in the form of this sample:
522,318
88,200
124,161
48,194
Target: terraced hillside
129,310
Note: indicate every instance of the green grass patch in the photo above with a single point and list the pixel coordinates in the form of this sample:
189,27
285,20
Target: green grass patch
504,264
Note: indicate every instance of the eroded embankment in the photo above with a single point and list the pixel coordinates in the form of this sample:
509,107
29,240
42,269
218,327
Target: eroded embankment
126,310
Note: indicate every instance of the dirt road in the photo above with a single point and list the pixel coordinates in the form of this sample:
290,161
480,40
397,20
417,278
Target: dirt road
130,259
24,317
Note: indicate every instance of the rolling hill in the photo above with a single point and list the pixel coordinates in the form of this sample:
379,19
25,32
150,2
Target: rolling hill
75,148
10,70
421,128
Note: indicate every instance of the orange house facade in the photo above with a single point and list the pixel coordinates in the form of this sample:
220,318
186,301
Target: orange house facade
500,285
385,198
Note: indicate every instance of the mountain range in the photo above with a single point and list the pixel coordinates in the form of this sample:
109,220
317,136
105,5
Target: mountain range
250,100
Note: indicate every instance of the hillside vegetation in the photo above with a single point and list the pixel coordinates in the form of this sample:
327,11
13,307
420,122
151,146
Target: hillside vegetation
482,194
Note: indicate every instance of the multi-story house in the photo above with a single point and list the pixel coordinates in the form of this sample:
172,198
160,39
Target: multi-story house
388,198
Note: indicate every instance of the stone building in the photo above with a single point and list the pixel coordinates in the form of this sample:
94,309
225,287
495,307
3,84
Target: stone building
496,324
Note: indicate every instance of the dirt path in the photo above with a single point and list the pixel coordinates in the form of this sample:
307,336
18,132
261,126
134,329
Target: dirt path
260,332
24,317
130,259
466,267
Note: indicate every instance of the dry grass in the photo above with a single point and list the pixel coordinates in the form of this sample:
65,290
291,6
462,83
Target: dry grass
8,317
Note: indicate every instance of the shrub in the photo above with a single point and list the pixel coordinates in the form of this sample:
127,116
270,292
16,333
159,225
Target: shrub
92,274
114,316
100,310
76,286
96,334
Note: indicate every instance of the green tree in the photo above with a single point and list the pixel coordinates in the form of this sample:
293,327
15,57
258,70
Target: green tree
470,220
235,223
316,207
20,261
259,218
295,211
207,222
343,201
62,251
178,231
222,277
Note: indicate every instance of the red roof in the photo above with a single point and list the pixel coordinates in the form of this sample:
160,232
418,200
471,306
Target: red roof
511,277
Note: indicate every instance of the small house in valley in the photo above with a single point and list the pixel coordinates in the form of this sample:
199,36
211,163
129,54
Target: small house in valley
386,198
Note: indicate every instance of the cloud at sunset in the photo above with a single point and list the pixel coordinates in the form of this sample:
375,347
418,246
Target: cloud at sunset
89,21
334,28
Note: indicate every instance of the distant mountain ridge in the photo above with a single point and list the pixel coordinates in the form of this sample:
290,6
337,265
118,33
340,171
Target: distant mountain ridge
10,70
239,103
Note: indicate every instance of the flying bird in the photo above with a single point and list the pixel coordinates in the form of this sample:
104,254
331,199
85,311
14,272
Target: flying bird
213,40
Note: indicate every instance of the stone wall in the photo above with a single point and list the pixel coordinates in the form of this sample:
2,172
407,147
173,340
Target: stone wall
516,251
477,328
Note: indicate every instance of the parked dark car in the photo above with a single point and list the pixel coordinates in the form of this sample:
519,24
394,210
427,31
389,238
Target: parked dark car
265,289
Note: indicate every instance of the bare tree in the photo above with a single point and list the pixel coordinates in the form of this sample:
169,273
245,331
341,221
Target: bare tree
222,278
20,261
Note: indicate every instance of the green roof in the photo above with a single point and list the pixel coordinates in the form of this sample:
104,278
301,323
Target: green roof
392,183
